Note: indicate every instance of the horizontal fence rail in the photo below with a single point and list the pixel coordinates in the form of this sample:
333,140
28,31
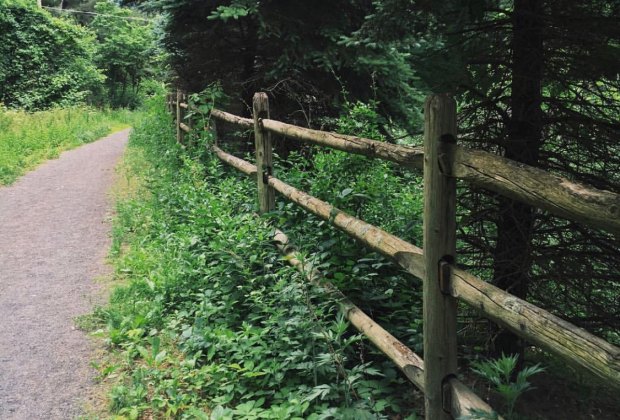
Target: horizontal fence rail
463,399
539,326
184,127
526,320
533,186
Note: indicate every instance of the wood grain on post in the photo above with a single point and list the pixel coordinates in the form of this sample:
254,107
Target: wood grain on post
439,247
266,195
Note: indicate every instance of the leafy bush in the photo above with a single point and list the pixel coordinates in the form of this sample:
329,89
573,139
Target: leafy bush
44,61
375,191
125,50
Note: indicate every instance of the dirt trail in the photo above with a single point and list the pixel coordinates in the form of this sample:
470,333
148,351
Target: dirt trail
53,241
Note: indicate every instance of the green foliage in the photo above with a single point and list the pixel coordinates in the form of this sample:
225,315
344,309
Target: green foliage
212,318
375,191
236,10
44,61
28,139
301,51
499,373
393,51
125,50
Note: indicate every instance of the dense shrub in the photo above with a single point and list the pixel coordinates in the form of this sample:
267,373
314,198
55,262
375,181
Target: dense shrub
44,61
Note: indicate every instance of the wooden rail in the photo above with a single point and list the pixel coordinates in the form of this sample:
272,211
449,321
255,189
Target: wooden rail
403,357
542,328
412,365
533,186
184,127
560,196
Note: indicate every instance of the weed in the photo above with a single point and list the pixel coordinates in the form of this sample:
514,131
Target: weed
499,374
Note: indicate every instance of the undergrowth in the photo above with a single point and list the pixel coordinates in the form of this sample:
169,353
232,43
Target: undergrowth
213,323
27,139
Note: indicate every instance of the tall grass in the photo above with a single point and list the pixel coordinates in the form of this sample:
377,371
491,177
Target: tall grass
27,139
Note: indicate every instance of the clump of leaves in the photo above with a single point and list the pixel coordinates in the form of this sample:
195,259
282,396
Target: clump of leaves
500,373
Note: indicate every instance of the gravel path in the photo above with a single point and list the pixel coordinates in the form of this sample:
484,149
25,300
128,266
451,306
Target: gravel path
53,241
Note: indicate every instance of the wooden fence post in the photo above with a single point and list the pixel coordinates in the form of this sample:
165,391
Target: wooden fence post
440,363
189,121
266,194
179,116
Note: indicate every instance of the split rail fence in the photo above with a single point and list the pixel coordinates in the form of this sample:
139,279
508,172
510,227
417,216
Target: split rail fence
442,162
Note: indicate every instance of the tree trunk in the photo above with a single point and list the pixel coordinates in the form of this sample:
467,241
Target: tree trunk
513,256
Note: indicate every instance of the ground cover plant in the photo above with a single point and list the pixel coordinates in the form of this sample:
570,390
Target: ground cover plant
27,139
211,321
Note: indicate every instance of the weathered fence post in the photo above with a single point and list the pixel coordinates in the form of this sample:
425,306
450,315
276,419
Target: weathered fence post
189,124
179,116
266,194
440,362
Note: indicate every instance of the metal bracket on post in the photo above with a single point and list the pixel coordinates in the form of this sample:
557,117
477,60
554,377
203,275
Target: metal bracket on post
267,172
446,153
446,394
446,263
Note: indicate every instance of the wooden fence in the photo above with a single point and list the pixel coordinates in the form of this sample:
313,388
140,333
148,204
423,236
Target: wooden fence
442,162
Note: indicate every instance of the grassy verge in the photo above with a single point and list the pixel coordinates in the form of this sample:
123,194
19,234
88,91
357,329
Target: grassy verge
209,321
27,139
